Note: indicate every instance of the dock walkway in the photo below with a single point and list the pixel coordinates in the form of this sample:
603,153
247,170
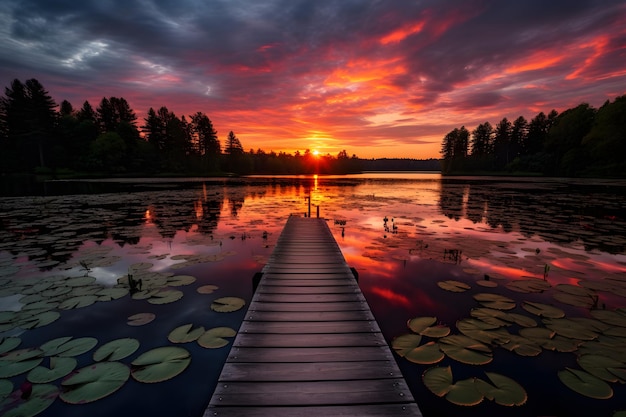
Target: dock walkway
309,344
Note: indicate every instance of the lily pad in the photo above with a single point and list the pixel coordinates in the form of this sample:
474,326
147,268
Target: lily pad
185,333
453,286
228,304
610,317
436,331
59,367
207,289
214,338
585,301
439,381
38,320
418,324
116,350
180,280
19,361
140,319
78,302
496,301
465,350
41,397
504,391
6,387
166,296
160,364
108,294
570,329
585,384
543,310
69,347
94,382
528,285
9,343
599,365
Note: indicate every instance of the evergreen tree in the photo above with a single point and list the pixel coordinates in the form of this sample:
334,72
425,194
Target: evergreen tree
233,145
502,144
482,140
519,132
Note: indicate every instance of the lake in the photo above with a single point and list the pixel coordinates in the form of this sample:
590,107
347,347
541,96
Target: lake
516,286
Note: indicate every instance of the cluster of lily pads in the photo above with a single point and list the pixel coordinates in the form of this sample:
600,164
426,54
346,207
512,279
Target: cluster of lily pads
599,341
50,369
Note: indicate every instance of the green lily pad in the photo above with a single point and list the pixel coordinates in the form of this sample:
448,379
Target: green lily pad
180,280
185,334
6,387
114,293
405,343
160,364
79,281
453,286
38,320
522,346
116,350
65,346
611,317
483,332
543,310
570,329
528,285
140,266
439,381
598,365
166,296
495,301
19,361
140,319
585,384
78,302
228,304
9,343
418,324
426,354
436,331
59,367
574,300
214,338
207,289
465,350
94,382
41,397
504,391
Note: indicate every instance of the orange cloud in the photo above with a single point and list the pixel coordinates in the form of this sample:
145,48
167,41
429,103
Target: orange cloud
402,33
538,60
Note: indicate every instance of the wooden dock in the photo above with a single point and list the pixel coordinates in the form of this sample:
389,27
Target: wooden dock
309,344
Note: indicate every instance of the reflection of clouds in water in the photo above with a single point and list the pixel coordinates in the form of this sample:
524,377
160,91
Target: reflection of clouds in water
105,276
11,303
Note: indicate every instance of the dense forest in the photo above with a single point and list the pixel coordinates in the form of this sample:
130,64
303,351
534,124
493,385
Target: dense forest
39,136
579,142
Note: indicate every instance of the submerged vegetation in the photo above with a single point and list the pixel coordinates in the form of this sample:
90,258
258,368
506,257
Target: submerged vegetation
579,142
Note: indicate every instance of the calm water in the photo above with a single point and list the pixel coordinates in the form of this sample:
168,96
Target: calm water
221,232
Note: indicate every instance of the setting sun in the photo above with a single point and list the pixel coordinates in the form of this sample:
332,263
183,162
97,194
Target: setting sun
316,152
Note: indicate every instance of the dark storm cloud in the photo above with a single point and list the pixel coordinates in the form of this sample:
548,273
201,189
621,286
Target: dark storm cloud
354,65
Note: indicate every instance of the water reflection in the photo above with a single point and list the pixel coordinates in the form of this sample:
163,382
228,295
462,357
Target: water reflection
506,229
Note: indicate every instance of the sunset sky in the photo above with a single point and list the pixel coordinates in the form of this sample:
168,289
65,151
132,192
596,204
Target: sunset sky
378,78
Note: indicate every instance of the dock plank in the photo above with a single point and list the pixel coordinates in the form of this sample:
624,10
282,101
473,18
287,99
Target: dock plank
309,344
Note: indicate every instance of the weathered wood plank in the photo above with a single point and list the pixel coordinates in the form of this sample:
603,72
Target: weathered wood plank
300,316
308,340
309,307
309,354
338,289
311,371
376,410
303,393
290,282
297,327
308,298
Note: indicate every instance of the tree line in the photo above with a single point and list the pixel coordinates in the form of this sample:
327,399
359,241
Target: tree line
579,142
39,136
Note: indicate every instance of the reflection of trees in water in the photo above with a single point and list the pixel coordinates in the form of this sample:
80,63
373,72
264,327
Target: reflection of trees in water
557,212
